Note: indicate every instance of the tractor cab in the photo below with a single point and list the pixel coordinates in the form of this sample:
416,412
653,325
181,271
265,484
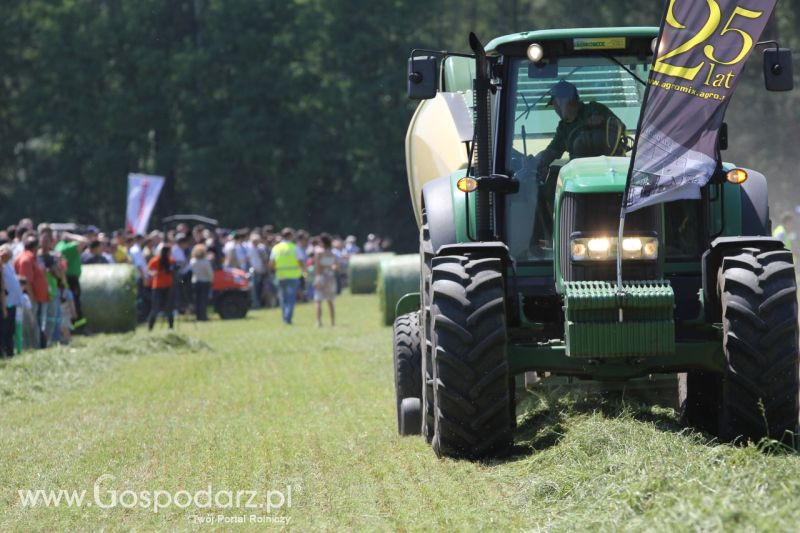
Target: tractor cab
604,79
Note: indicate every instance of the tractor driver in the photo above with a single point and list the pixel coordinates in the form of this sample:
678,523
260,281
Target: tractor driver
585,129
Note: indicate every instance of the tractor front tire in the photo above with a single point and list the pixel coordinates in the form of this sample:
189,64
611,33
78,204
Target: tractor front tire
471,396
761,386
407,371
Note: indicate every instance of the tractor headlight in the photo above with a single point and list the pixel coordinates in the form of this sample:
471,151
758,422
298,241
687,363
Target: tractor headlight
595,248
640,248
631,245
605,248
599,248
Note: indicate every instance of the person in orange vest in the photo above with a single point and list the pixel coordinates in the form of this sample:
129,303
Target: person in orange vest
161,268
286,261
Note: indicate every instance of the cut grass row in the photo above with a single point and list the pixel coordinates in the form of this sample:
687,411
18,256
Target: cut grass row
252,404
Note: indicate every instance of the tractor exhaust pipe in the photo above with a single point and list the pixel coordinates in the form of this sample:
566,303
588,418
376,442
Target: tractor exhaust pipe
483,136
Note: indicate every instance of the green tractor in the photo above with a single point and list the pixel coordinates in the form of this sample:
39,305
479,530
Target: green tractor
518,254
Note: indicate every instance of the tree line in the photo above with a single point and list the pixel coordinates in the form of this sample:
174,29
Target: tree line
283,111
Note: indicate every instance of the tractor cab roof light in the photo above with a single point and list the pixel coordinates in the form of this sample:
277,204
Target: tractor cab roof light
535,52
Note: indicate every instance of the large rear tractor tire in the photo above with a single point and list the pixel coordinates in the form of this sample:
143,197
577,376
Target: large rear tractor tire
758,394
471,396
407,372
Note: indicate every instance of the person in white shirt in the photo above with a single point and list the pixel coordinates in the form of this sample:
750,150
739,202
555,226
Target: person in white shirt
235,252
183,281
229,253
241,250
18,245
350,246
136,253
179,252
12,298
202,278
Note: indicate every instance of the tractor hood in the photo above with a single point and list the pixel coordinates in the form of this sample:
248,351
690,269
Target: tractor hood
594,175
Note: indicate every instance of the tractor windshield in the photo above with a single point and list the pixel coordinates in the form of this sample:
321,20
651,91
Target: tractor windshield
533,121
537,99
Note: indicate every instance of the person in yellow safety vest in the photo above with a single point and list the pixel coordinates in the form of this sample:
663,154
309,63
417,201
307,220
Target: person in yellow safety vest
286,261
783,231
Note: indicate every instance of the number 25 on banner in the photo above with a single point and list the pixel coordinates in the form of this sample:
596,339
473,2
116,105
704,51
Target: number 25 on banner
708,30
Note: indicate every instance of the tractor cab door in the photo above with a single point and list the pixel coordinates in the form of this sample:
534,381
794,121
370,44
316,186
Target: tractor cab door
606,87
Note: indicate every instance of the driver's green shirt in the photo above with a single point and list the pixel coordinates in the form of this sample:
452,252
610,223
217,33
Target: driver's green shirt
591,114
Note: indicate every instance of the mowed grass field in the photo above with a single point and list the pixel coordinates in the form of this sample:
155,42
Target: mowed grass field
252,405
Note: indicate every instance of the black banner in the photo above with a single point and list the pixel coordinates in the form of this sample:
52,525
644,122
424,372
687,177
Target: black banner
702,48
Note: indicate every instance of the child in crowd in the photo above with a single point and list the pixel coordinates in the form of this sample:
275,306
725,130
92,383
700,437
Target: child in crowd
68,314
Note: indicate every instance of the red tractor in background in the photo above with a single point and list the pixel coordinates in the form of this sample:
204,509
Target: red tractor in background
231,286
231,293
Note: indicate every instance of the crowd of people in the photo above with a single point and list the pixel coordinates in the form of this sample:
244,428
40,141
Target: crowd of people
40,289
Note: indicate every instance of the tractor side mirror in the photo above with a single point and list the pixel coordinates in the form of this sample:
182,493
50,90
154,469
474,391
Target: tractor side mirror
422,78
778,74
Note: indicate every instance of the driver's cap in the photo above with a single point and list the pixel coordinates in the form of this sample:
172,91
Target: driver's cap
563,92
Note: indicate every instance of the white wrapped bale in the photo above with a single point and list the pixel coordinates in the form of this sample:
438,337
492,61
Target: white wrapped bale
108,297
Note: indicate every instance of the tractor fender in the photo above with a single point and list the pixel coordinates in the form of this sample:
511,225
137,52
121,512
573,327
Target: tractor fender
437,200
755,205
407,304
712,259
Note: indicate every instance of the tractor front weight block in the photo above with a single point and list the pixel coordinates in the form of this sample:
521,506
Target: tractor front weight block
593,325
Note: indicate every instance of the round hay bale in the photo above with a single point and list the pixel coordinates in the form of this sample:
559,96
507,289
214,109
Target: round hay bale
397,276
108,298
362,272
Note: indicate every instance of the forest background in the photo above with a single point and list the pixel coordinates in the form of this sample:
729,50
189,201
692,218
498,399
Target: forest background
291,112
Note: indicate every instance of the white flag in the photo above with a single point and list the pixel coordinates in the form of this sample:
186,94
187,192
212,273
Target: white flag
143,191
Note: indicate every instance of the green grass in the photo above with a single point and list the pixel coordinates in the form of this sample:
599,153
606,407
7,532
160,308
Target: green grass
252,404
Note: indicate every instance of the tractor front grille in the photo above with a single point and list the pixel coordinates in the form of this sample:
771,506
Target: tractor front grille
598,215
